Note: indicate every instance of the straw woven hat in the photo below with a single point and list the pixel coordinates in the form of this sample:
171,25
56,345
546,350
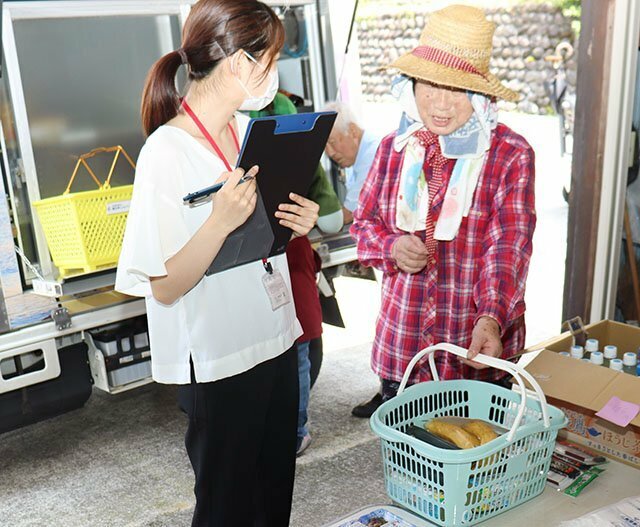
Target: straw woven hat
454,50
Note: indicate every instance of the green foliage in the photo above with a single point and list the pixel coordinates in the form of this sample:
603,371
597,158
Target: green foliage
569,4
570,8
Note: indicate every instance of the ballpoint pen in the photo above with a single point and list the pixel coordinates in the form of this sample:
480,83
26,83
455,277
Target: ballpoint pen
200,196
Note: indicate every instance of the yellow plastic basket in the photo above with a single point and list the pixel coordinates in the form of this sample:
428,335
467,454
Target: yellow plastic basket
84,230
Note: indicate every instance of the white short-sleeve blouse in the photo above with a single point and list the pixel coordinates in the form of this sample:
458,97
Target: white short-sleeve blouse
225,323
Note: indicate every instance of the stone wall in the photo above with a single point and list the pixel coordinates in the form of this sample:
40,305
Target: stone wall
525,35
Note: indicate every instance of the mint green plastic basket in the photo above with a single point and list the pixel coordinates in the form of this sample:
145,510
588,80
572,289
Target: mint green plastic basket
466,487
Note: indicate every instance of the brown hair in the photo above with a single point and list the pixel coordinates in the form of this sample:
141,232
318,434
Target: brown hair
214,29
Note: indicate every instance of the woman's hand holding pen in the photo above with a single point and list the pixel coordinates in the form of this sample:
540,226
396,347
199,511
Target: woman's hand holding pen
299,216
234,202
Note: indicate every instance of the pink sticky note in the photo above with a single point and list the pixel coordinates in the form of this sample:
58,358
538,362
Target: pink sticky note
619,412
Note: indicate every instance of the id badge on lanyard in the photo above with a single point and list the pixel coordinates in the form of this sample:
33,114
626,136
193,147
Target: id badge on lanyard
275,286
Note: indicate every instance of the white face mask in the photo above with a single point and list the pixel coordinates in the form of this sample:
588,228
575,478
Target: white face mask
255,103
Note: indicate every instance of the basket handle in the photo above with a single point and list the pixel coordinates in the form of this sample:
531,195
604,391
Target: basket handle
518,372
82,160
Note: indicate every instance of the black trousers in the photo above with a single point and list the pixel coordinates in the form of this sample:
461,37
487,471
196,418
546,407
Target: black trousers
241,441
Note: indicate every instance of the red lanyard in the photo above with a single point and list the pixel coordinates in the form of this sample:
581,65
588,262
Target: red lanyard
266,264
207,135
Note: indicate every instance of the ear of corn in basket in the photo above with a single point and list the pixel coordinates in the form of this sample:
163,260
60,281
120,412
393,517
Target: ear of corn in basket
481,430
470,434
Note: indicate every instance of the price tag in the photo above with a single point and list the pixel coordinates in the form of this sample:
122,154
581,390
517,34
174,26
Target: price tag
118,207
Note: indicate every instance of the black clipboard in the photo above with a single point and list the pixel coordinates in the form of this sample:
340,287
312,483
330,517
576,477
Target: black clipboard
287,148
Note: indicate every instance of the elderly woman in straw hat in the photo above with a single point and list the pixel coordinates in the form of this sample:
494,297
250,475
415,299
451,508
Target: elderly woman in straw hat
447,211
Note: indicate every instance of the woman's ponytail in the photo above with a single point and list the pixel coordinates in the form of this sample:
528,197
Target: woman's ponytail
160,98
213,30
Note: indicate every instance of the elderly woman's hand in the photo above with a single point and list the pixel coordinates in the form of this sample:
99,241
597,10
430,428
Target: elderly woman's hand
299,217
410,253
485,339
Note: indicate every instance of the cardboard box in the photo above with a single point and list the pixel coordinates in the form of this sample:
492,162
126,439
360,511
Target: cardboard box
581,389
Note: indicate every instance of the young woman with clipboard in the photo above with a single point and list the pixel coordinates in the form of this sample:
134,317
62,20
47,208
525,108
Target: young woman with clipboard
226,338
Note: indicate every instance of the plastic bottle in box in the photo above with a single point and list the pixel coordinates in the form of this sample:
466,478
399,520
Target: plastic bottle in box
616,364
597,358
630,363
610,353
591,346
577,352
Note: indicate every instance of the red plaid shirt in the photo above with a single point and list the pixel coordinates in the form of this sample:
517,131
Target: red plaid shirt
481,272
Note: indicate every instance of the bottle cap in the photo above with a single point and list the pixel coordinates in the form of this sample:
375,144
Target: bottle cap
610,352
597,357
592,345
616,364
565,354
577,352
630,359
